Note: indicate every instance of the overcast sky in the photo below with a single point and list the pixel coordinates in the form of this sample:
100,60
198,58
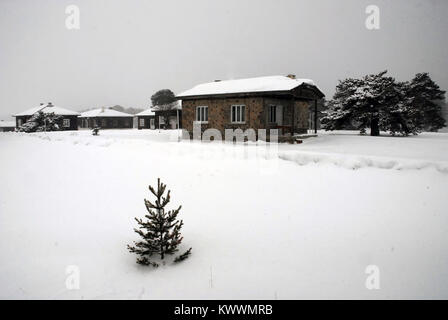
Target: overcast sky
126,50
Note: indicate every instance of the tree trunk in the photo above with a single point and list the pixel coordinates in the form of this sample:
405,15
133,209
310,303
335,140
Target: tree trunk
374,127
162,255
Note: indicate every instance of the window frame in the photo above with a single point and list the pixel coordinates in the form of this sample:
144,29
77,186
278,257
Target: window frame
141,122
272,107
201,116
66,123
240,113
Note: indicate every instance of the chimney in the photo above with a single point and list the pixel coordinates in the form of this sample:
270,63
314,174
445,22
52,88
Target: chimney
50,104
217,80
41,103
291,76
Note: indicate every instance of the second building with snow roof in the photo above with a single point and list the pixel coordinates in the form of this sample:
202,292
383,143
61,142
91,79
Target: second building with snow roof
106,118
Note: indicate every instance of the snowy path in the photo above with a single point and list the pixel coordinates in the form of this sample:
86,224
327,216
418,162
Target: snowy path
259,228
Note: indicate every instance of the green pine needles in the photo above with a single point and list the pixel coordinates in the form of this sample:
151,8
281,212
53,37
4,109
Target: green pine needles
160,231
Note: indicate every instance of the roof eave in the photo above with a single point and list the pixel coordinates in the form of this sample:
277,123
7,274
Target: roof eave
102,116
316,90
313,88
234,94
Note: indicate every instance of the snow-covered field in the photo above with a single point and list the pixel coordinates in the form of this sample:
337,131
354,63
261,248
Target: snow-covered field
303,224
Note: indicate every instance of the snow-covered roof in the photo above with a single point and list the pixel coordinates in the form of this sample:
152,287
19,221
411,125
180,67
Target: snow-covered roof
259,84
178,106
48,108
147,112
7,124
151,111
104,112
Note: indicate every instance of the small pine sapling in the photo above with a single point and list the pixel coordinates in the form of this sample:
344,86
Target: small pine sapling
161,230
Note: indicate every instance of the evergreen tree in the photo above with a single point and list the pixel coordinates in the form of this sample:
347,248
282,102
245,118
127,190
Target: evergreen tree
42,122
427,97
379,102
360,103
401,116
160,232
163,97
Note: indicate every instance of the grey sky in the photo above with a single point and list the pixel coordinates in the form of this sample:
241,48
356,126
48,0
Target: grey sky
126,50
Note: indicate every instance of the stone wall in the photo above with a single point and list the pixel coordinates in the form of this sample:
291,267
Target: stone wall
219,113
302,115
256,113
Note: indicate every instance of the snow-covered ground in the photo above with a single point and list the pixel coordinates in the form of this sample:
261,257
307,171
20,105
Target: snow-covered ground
303,224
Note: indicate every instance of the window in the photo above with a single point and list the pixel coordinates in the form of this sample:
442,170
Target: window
142,122
173,122
103,123
66,123
202,114
161,120
272,114
19,122
238,114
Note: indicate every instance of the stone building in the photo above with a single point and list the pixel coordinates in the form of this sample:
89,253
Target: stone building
275,102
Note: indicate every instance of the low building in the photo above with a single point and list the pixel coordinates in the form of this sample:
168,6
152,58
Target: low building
106,118
69,121
161,117
6,126
275,102
146,119
168,117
